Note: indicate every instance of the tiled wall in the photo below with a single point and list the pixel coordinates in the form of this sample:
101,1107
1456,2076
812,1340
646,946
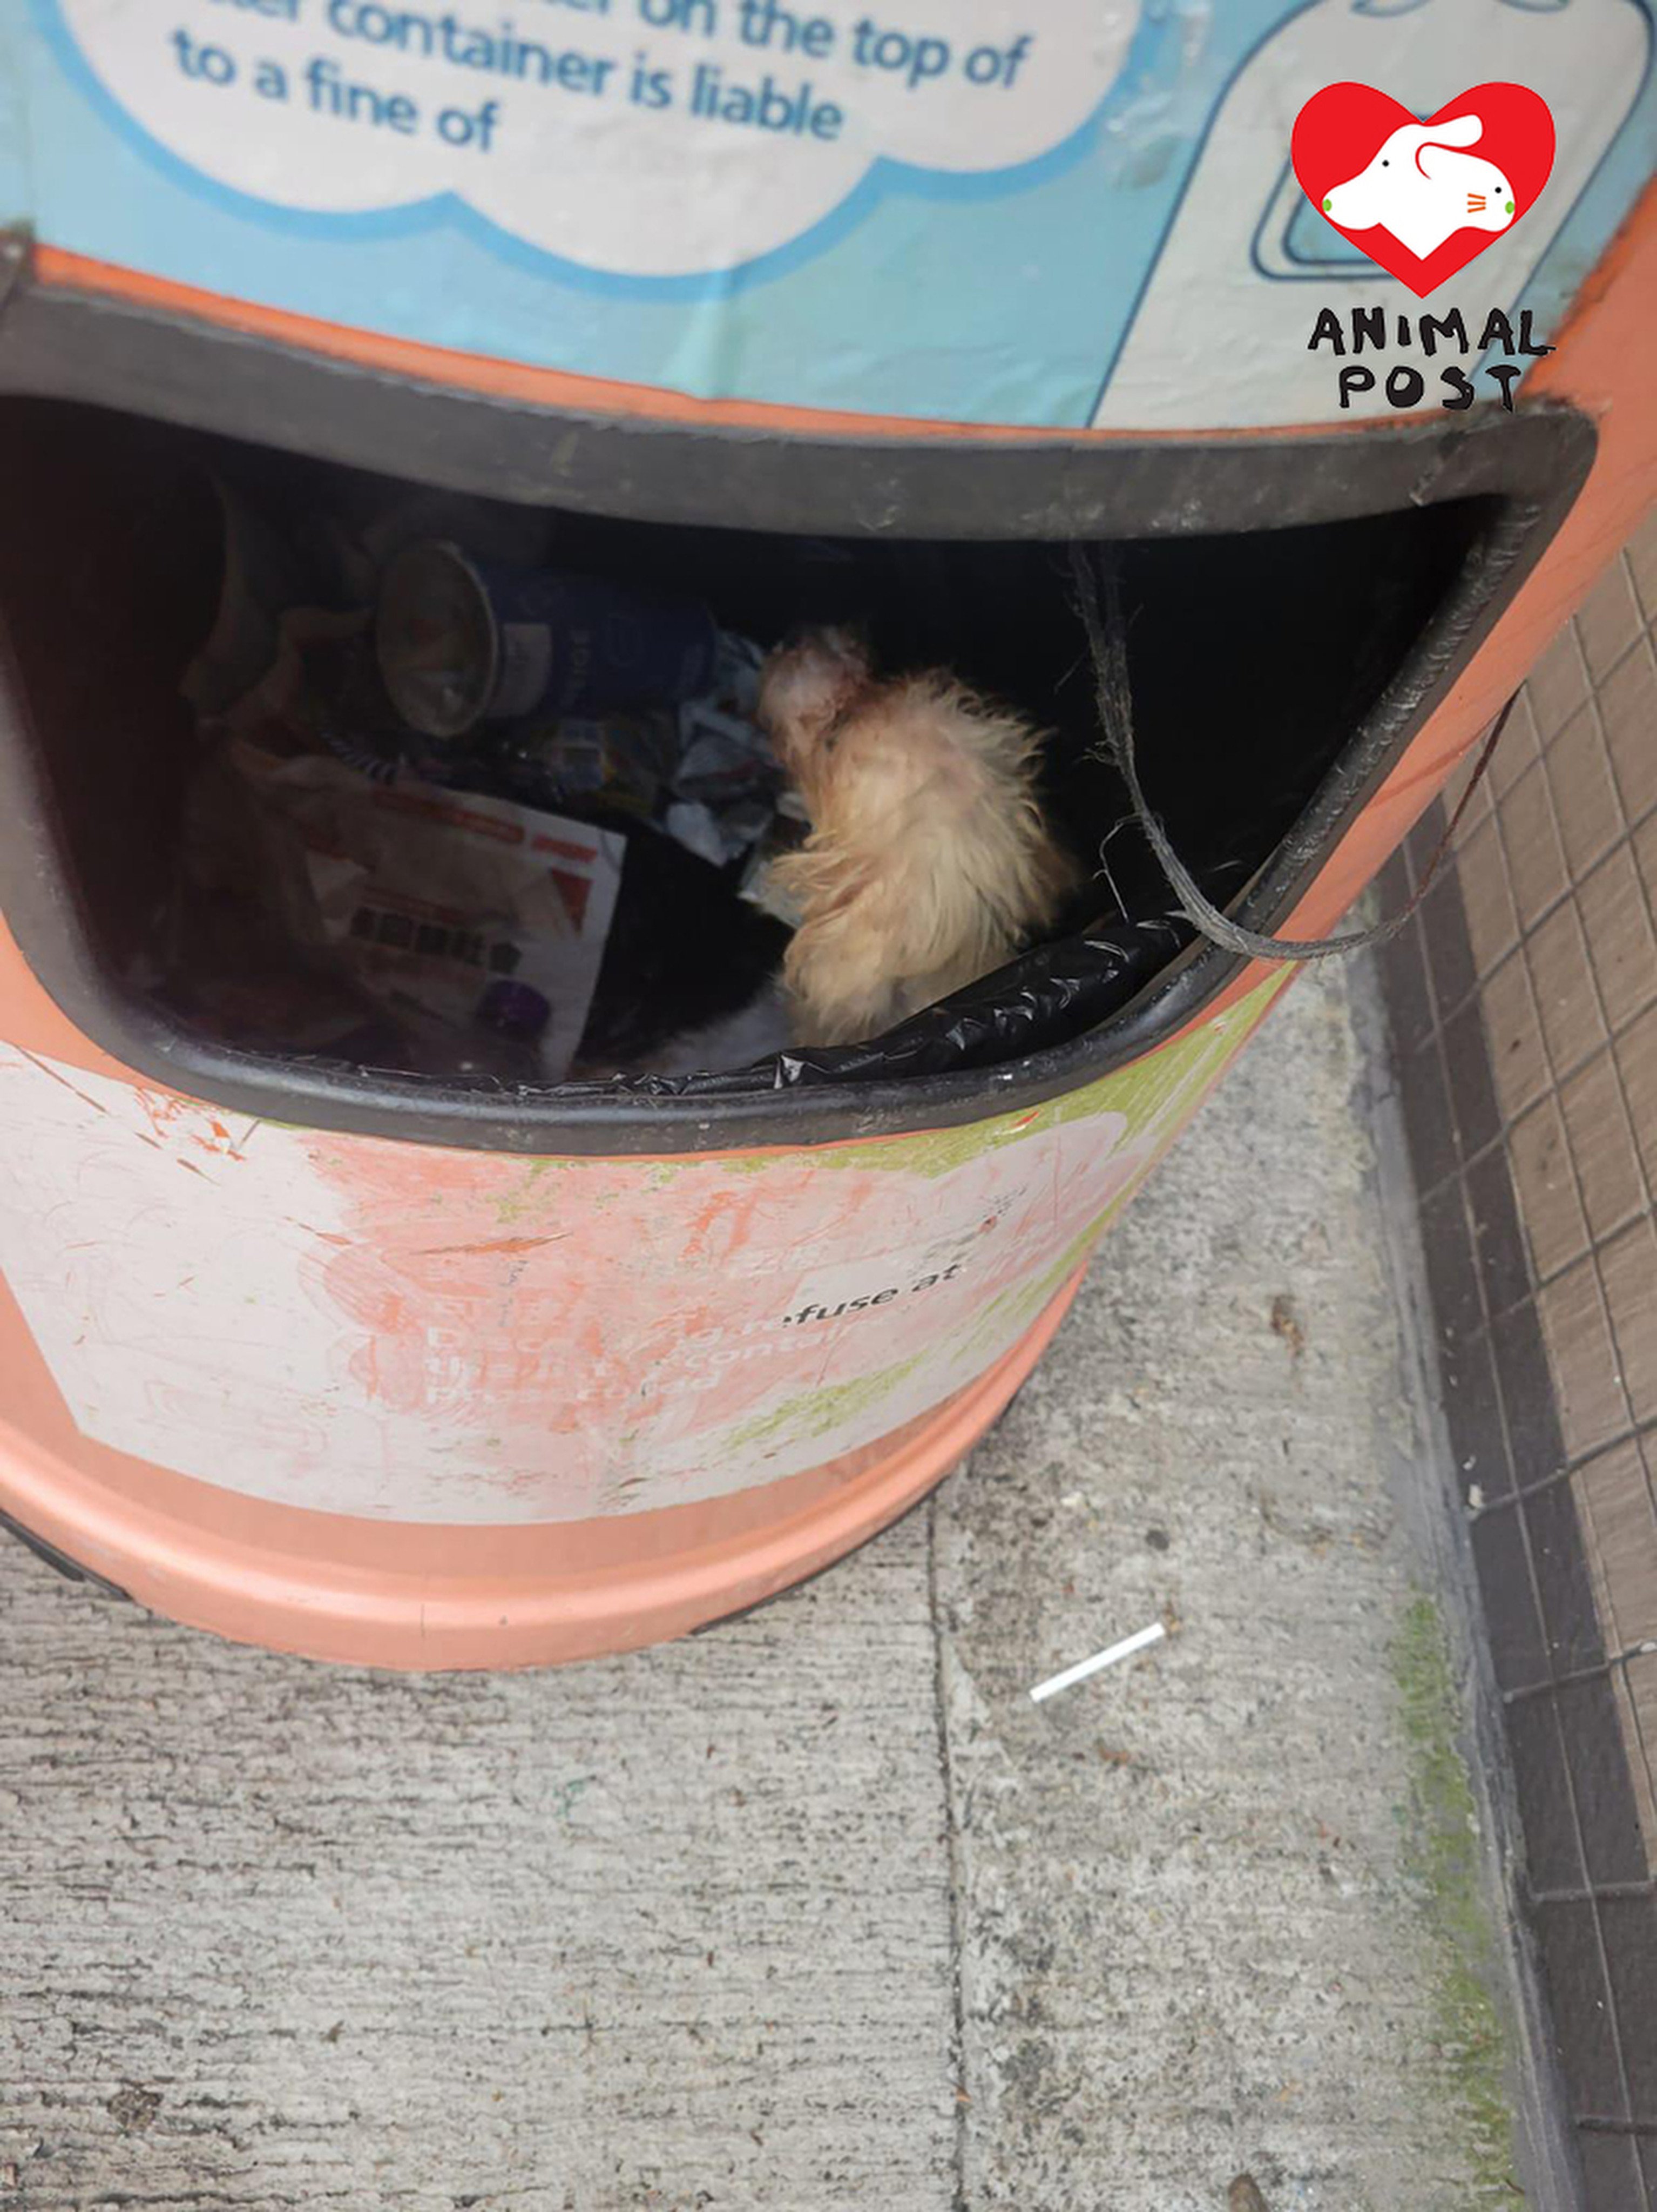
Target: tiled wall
1524,1008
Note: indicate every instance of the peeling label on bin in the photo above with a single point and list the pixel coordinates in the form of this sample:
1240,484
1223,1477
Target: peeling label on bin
965,210
419,1334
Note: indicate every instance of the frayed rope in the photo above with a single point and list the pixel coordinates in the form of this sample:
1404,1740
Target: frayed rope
1099,604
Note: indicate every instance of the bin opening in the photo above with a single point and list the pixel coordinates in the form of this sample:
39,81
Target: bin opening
1255,658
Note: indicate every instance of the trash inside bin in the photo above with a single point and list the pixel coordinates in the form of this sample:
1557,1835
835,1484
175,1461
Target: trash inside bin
591,810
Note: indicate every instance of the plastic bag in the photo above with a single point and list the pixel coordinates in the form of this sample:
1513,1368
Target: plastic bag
426,902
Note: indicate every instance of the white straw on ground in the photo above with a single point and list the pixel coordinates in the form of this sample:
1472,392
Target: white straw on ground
1099,1661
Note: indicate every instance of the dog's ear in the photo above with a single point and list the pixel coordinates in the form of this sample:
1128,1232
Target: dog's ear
806,686
850,641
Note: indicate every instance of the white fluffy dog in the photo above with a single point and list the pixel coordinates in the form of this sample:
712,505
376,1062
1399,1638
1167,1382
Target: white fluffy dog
928,862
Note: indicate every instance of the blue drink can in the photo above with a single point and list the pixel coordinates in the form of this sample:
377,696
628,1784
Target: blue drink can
463,641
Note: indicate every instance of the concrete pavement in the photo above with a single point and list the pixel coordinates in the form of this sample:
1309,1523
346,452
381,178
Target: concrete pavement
818,1910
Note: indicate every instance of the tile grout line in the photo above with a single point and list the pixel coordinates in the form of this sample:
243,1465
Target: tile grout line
1612,1889
1639,1734
1572,1463
1599,1566
1617,1662
1592,1250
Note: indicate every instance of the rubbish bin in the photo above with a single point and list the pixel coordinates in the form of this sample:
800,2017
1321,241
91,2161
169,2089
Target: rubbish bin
426,1374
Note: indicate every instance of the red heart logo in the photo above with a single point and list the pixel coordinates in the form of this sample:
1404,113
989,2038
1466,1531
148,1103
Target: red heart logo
1423,197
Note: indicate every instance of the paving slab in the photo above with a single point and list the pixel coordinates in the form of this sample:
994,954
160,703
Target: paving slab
664,1933
1199,1935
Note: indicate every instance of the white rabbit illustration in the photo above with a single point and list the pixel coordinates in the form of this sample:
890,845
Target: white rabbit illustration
1422,191
1228,265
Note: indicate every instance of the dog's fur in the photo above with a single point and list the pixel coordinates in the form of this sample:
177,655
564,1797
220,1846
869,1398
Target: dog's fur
928,863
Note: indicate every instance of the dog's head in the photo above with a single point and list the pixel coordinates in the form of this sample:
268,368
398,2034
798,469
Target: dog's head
807,687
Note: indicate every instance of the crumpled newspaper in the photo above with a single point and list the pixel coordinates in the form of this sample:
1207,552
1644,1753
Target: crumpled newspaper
323,886
703,772
422,898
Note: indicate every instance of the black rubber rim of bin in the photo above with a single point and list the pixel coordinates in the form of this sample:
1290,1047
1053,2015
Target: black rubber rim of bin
63,346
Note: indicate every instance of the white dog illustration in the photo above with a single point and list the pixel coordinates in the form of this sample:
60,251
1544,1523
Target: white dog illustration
1422,191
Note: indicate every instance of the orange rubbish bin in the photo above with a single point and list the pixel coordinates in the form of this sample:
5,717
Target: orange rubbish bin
420,1373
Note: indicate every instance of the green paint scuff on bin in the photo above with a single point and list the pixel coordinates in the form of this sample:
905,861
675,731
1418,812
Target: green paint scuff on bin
525,1196
1138,1092
819,1413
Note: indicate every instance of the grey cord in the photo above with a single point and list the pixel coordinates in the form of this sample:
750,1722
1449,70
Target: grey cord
1106,636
